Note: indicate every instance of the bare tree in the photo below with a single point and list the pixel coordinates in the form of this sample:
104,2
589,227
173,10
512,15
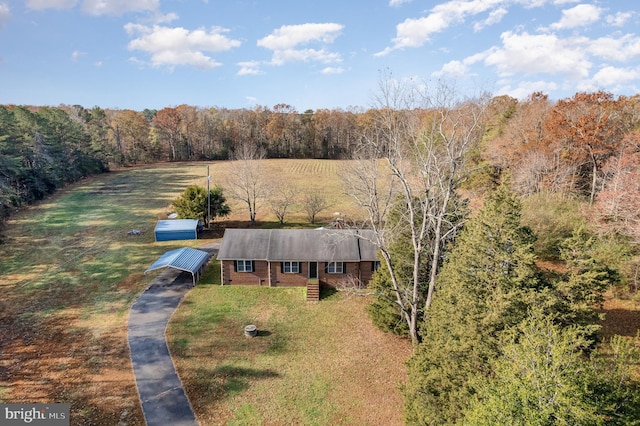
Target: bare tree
313,204
283,196
246,183
416,155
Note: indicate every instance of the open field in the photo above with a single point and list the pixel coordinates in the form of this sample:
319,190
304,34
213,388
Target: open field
70,272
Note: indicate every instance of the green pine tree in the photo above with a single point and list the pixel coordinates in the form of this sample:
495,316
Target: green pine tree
193,203
580,291
543,378
537,380
484,287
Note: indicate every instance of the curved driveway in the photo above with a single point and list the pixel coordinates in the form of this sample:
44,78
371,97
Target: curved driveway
163,399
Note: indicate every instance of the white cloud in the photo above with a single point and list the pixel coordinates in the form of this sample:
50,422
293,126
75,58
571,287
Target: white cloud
452,69
281,57
612,76
5,15
526,88
179,46
459,68
76,54
622,49
98,7
118,7
415,32
50,4
333,70
286,42
578,16
249,68
396,3
619,19
531,54
289,36
494,17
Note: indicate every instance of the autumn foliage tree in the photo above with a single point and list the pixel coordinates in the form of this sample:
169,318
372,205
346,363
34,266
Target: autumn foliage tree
617,206
588,129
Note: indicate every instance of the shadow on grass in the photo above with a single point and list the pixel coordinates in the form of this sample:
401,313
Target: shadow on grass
327,292
224,381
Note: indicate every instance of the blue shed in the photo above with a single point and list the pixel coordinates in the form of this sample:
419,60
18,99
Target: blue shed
177,229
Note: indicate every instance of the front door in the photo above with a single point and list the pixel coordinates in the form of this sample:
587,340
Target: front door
313,270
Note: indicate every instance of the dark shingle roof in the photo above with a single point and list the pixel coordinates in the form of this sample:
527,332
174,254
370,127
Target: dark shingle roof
338,245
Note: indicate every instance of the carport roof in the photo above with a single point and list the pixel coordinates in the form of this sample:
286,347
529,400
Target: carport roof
183,259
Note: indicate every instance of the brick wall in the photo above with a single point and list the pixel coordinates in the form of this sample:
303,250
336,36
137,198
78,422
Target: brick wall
259,276
286,279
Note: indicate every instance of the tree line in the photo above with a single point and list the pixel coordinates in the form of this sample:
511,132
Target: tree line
584,145
42,150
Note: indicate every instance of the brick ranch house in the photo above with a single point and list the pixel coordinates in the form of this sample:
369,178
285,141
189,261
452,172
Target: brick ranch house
297,258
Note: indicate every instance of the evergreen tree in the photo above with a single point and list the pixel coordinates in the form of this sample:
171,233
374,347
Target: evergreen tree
193,203
537,380
485,286
580,292
544,379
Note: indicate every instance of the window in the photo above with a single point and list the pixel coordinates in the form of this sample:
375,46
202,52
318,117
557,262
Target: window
335,267
375,265
290,267
244,266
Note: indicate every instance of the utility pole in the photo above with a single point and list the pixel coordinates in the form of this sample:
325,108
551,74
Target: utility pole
208,198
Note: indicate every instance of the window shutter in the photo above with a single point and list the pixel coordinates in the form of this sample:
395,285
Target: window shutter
326,267
282,267
235,266
253,266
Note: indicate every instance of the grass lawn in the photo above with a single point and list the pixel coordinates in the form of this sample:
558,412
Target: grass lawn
70,272
311,363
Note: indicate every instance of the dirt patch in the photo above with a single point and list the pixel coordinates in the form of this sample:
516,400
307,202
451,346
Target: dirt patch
622,317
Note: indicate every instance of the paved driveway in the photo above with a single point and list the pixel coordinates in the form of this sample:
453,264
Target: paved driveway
163,399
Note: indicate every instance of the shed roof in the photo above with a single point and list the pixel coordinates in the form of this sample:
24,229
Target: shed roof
176,225
183,259
337,245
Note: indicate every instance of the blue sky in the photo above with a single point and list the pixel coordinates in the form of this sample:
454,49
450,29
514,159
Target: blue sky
323,54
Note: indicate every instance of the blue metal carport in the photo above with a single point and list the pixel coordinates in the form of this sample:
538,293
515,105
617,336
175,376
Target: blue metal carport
184,259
